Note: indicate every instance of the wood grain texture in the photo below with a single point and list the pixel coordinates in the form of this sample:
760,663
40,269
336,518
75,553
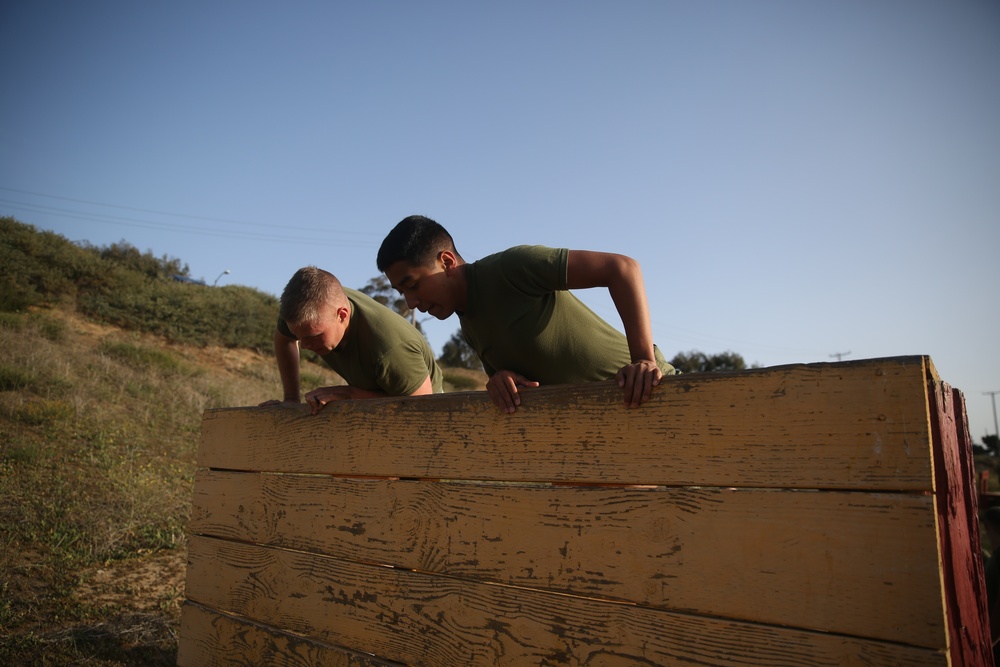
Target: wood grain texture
864,564
422,619
801,515
958,513
850,425
211,639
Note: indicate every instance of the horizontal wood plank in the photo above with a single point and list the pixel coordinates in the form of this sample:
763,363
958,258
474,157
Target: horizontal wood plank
860,425
864,564
423,619
211,639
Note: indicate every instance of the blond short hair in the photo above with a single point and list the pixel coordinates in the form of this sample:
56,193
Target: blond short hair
307,293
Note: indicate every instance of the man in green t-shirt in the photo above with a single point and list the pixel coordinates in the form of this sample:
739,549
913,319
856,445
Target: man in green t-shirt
518,315
372,347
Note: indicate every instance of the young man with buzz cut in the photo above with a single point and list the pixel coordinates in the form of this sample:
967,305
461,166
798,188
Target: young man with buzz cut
371,346
517,313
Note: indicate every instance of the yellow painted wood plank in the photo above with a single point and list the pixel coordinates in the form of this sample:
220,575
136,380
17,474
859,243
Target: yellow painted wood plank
858,425
210,639
422,619
864,564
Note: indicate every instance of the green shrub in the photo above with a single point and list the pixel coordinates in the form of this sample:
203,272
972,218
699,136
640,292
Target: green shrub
13,379
14,297
19,453
146,264
44,412
121,286
143,357
39,268
11,321
51,329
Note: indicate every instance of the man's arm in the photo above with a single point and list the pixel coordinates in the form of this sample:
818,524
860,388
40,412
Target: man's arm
320,396
286,353
622,277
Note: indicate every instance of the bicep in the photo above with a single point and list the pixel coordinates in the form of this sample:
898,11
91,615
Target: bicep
586,268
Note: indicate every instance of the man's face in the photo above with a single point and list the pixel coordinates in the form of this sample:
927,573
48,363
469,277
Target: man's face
323,335
425,288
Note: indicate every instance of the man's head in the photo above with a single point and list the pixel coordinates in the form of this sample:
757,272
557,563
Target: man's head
415,240
315,308
420,260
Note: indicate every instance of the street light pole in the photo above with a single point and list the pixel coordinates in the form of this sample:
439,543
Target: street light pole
993,397
224,273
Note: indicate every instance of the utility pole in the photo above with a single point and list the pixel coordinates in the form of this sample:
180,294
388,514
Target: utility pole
993,397
840,355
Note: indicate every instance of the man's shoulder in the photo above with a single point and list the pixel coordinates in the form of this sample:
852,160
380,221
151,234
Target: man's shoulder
524,270
383,326
530,250
520,255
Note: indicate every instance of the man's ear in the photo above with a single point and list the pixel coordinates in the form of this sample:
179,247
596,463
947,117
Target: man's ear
343,314
447,259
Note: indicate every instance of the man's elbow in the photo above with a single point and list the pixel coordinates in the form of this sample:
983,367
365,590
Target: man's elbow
624,270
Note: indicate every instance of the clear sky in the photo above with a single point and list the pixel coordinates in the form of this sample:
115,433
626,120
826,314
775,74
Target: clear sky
798,179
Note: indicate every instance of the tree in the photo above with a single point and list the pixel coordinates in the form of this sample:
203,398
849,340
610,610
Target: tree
699,362
992,444
379,289
457,353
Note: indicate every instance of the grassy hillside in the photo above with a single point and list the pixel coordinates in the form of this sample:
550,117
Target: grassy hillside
98,433
121,286
107,365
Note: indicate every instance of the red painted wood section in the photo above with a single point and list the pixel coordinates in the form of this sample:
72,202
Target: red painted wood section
958,513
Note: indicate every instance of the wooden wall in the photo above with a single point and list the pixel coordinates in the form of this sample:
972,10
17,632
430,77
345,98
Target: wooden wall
817,514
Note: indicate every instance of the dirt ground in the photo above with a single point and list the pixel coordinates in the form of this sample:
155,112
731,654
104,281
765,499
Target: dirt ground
130,614
151,585
146,595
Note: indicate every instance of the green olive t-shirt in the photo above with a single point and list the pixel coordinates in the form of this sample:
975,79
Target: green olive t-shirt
521,317
381,351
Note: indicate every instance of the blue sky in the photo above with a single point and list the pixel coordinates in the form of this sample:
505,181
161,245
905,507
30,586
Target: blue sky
797,179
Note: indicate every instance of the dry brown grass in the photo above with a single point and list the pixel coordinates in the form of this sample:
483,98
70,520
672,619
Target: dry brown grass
98,436
99,430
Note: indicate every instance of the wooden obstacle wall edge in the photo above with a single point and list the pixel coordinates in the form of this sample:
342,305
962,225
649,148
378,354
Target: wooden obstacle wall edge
958,514
850,425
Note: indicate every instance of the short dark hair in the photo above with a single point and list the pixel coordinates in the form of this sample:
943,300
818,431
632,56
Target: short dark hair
415,239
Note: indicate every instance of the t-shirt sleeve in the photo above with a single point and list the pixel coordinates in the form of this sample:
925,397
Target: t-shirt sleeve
402,369
284,330
535,270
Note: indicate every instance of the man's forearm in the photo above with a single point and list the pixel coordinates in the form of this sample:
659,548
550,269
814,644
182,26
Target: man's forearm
629,296
286,352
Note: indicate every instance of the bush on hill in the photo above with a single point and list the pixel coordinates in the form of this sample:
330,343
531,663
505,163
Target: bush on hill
119,285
